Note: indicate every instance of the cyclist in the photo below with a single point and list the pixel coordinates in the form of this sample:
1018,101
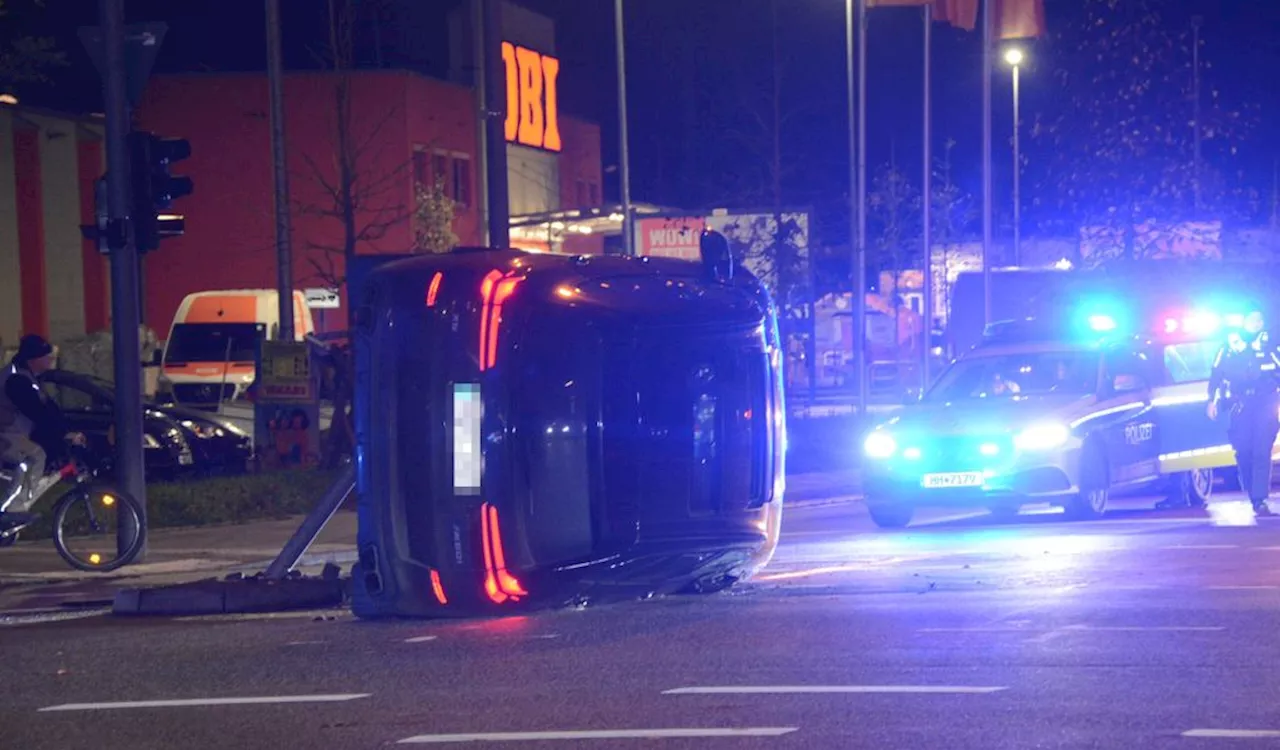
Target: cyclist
32,429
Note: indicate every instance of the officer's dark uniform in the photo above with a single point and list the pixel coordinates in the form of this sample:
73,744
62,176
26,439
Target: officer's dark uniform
1245,384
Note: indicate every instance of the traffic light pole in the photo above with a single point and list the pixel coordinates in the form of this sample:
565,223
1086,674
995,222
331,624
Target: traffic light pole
284,251
125,290
495,125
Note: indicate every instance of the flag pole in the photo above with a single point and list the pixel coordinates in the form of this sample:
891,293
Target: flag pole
987,220
860,210
927,200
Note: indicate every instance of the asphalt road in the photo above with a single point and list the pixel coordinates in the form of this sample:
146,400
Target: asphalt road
1143,630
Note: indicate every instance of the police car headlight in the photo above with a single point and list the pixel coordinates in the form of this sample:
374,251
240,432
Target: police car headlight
1042,437
880,445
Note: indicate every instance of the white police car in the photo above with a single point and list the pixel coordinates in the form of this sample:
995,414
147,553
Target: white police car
1034,415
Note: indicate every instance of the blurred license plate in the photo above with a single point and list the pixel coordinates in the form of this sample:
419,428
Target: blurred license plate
958,479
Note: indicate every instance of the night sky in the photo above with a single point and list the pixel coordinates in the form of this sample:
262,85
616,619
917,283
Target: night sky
700,78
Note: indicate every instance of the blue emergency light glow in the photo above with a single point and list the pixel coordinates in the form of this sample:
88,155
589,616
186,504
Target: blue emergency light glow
1102,323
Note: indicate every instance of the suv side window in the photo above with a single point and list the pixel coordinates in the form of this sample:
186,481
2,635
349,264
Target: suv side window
1129,372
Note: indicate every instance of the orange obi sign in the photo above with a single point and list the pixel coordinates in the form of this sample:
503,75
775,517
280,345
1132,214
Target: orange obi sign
533,112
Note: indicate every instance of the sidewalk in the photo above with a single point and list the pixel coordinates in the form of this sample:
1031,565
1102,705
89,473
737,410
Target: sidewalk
34,577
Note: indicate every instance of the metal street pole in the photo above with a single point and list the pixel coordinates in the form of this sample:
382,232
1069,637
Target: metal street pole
624,149
495,112
478,59
284,251
927,200
1017,170
987,72
856,16
125,318
1195,93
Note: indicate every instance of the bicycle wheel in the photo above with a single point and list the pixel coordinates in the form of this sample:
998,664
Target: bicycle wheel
85,523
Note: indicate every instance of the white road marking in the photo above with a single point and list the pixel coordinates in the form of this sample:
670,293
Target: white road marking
200,702
976,629
1201,546
304,643
1144,628
1082,629
816,689
1232,734
599,734
1140,521
420,639
1243,588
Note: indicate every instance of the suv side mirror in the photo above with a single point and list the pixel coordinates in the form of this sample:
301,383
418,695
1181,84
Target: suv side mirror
717,258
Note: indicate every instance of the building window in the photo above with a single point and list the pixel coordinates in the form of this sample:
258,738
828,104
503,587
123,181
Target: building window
440,168
420,174
462,181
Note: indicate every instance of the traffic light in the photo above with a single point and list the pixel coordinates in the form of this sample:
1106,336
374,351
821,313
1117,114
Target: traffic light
154,189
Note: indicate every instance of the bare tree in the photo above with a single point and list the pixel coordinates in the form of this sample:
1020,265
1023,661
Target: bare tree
774,245
893,207
25,58
953,215
1118,137
363,198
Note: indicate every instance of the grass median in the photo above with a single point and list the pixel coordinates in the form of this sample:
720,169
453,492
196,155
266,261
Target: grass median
219,500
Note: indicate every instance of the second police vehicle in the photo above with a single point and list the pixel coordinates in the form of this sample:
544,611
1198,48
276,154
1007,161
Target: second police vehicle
1064,413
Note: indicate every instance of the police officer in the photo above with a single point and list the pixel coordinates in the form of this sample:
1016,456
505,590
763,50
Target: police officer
1245,386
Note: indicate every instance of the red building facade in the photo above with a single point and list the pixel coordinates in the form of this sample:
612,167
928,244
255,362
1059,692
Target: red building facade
402,129
52,281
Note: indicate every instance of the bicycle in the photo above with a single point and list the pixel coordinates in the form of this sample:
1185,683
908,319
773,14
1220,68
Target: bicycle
96,498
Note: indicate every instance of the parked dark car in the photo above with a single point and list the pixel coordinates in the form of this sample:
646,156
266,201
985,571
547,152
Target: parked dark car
179,441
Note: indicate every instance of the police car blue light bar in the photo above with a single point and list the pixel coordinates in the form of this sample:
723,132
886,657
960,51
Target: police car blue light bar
1102,323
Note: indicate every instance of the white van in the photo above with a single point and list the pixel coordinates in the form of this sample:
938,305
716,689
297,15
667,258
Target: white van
209,355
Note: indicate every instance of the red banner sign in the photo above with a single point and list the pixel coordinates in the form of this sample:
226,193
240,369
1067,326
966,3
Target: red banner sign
670,238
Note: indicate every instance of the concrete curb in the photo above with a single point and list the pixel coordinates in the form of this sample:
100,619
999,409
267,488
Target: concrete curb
213,597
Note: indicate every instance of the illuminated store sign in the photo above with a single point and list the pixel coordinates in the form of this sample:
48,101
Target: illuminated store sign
532,107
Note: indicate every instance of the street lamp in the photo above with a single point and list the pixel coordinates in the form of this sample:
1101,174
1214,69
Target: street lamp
1014,57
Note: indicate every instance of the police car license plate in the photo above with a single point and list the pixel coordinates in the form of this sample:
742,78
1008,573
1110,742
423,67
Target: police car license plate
957,479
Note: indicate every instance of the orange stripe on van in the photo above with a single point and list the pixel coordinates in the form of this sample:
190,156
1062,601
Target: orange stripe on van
220,309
